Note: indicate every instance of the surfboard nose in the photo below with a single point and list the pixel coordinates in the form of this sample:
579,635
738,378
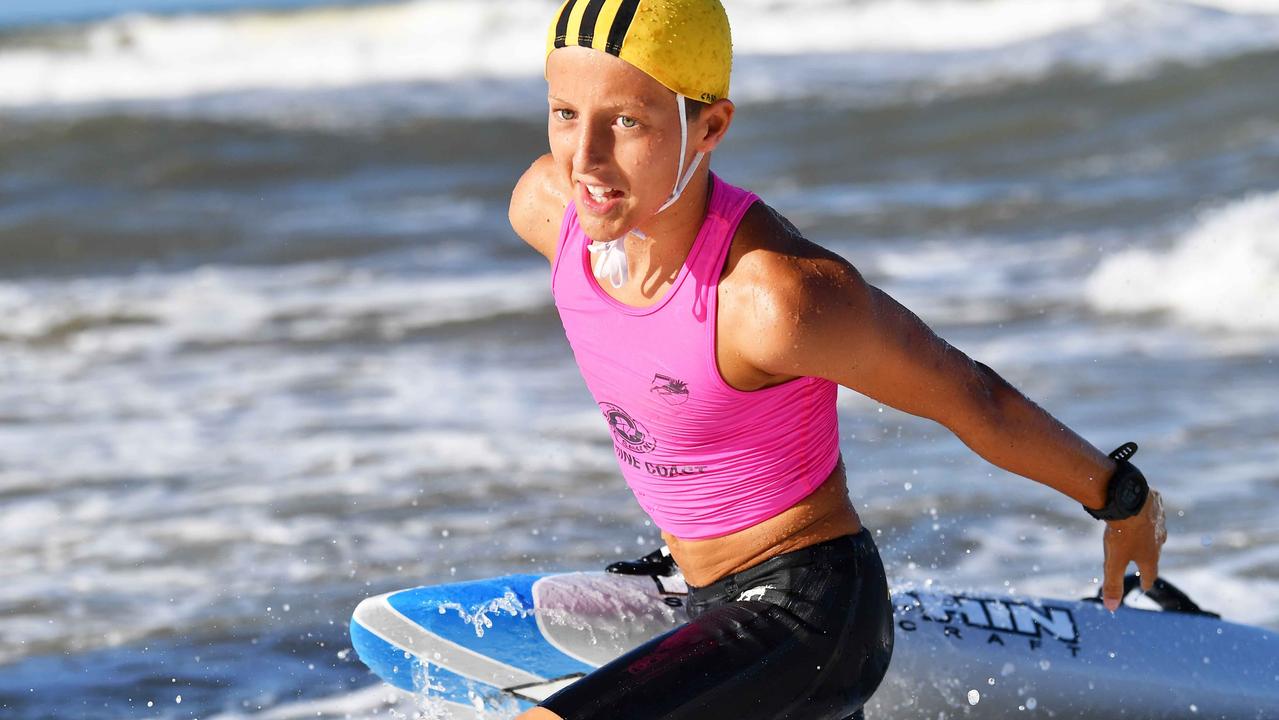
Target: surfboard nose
369,639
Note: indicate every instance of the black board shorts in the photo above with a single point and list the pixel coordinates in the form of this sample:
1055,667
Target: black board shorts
806,635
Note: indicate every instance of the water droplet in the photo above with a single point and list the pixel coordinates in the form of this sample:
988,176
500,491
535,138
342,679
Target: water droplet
974,697
1031,703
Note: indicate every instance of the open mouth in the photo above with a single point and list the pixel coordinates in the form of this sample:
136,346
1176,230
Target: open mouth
600,197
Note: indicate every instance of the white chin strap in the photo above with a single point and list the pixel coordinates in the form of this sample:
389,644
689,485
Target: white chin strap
610,260
682,178
610,257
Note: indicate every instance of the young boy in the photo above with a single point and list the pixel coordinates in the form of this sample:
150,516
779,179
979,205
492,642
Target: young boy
713,336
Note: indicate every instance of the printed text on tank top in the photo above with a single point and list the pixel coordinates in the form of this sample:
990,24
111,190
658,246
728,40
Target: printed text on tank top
703,458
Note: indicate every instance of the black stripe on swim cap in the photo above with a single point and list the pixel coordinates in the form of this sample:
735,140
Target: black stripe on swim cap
621,25
561,25
586,35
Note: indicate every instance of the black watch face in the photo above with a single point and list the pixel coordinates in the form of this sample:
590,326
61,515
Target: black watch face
1129,495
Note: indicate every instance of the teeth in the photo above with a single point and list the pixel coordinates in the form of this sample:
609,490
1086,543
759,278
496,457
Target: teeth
598,191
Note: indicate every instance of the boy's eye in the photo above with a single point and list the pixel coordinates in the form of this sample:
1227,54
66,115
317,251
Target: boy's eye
627,122
564,114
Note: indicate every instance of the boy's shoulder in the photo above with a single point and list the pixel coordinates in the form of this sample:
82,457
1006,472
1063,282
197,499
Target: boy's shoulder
775,282
537,205
769,252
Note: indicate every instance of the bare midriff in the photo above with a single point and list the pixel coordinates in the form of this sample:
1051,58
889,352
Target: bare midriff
826,513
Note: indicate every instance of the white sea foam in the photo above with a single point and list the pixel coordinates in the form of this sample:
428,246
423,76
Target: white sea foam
152,311
483,55
231,470
371,701
149,57
187,449
1222,272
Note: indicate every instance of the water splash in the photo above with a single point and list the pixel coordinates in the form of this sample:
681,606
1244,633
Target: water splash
428,700
566,618
478,615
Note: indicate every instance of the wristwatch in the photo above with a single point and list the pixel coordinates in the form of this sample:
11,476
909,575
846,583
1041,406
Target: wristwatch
1127,491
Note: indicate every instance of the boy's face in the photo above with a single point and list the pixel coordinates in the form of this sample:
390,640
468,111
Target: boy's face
613,127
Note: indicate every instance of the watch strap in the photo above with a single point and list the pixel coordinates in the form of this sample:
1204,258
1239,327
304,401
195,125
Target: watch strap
1127,489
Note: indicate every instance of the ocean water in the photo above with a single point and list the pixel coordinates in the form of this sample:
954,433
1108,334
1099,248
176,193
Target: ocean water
268,346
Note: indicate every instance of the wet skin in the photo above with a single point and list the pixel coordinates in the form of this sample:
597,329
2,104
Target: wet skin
623,133
787,308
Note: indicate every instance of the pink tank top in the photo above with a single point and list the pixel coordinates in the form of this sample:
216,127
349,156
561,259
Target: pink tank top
704,459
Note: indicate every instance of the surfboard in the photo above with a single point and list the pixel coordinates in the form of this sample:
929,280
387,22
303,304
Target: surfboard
491,648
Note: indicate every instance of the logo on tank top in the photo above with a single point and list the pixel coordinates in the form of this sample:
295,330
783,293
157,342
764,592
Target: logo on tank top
673,390
627,430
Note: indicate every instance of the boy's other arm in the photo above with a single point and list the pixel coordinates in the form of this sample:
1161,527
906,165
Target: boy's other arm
537,206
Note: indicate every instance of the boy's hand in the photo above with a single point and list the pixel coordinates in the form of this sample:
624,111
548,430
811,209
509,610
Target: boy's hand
1136,539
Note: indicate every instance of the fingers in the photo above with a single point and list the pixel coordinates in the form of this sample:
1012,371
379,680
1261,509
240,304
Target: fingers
1148,566
1112,587
1149,570
1157,517
1138,540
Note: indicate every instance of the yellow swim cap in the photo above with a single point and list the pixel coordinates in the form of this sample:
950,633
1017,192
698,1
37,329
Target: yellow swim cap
683,44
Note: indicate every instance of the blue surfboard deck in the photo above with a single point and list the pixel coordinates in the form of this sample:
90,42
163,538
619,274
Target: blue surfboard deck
498,646
512,640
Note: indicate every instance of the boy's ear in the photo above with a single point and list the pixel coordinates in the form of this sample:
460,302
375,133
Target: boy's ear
716,119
